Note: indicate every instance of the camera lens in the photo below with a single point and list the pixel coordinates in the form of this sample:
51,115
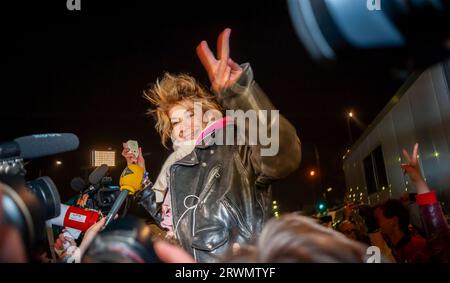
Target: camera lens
28,205
46,191
127,240
348,29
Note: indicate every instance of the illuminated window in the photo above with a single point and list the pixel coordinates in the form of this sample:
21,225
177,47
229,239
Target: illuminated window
99,157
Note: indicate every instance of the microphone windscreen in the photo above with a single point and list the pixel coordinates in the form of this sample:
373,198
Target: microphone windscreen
78,184
98,174
41,145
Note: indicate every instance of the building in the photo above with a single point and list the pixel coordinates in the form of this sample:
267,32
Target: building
418,112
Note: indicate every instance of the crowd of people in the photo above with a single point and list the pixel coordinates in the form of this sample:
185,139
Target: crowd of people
211,203
409,229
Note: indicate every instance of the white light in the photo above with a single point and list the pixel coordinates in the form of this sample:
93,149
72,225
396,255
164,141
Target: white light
58,162
436,154
360,194
382,188
274,202
350,189
329,189
99,157
406,189
399,159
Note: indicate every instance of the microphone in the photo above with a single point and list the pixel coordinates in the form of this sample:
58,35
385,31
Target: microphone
96,176
130,183
34,146
78,184
75,218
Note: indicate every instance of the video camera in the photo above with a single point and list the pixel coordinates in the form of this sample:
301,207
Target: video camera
26,205
102,193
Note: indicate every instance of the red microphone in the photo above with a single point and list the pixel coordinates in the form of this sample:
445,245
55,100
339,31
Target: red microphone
75,218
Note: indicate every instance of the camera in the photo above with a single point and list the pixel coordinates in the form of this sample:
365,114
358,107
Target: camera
402,33
26,205
102,193
105,198
127,240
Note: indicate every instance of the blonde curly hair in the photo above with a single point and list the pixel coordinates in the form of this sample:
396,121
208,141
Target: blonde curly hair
172,90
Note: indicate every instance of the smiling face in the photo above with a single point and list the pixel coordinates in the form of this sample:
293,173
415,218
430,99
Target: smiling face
185,125
173,99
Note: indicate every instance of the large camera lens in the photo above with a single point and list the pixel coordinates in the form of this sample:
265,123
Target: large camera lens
354,29
46,191
127,240
27,206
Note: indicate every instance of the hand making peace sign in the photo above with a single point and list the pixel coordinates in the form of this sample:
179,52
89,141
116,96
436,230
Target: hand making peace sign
222,71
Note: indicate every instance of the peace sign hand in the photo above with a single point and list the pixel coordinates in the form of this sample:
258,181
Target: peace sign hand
222,71
412,168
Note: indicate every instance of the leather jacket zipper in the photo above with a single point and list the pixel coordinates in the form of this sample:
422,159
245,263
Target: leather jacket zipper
212,175
242,225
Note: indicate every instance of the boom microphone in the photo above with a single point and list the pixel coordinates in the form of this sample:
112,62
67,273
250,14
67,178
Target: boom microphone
34,146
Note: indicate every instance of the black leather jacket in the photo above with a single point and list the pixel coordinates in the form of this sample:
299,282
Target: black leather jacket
221,194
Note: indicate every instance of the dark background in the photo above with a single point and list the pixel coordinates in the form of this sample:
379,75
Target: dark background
84,72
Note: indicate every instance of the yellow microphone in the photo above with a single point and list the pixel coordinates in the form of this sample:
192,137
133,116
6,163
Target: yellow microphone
130,182
131,178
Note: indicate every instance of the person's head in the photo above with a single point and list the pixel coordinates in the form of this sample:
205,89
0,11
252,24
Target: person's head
392,217
404,198
348,229
294,238
176,98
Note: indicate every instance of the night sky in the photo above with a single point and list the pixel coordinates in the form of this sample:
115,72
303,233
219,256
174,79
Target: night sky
84,72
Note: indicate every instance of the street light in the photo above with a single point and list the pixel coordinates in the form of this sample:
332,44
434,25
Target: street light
312,173
350,137
58,162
